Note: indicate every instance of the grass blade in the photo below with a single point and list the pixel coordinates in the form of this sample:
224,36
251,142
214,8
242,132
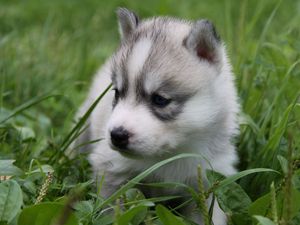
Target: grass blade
280,130
141,176
233,178
285,83
264,220
167,217
27,105
72,135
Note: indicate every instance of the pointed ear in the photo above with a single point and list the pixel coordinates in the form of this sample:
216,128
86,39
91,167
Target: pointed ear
203,41
128,21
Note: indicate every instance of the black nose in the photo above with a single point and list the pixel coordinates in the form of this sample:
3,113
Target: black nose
119,137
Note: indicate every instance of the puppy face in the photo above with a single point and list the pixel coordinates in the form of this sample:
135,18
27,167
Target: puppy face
164,93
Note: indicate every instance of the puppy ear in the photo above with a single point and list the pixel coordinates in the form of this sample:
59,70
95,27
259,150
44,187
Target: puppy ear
203,41
128,21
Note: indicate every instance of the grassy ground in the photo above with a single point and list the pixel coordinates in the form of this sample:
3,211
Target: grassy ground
49,50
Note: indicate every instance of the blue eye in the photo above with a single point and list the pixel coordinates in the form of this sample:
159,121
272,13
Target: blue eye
159,101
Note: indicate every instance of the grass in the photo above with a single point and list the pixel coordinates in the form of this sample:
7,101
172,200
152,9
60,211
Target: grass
49,51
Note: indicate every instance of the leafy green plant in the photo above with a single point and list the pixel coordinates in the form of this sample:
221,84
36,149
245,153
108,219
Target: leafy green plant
48,53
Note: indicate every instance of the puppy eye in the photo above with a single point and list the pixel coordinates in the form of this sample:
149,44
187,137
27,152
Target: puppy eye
159,100
117,94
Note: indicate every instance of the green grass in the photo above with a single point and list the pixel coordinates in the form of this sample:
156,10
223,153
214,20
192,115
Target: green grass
49,51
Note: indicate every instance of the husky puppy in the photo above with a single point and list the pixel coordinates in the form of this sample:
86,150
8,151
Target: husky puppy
173,92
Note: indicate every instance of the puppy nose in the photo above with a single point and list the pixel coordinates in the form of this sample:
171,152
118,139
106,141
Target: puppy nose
119,137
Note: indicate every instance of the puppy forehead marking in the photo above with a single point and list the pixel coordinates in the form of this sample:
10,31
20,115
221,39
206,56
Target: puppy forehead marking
138,57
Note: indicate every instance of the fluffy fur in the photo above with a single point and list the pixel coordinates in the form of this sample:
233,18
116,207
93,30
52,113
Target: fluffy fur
184,62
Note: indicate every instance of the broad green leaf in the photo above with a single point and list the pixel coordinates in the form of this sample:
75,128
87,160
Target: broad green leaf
134,194
135,197
84,206
166,217
83,210
8,169
296,179
296,219
46,214
240,218
43,169
105,220
232,199
133,213
140,217
25,133
11,200
295,204
264,220
283,163
261,205
29,186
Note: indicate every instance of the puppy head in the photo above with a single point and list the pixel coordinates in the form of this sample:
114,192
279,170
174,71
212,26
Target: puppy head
164,81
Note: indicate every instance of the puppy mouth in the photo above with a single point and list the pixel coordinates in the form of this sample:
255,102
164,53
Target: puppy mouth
125,151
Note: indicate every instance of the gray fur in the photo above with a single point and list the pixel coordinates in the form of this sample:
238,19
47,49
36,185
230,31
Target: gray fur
128,21
153,64
178,98
203,36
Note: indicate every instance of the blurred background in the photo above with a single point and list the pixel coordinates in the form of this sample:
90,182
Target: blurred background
55,47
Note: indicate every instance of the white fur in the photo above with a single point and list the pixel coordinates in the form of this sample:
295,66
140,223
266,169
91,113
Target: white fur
137,119
206,124
138,57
